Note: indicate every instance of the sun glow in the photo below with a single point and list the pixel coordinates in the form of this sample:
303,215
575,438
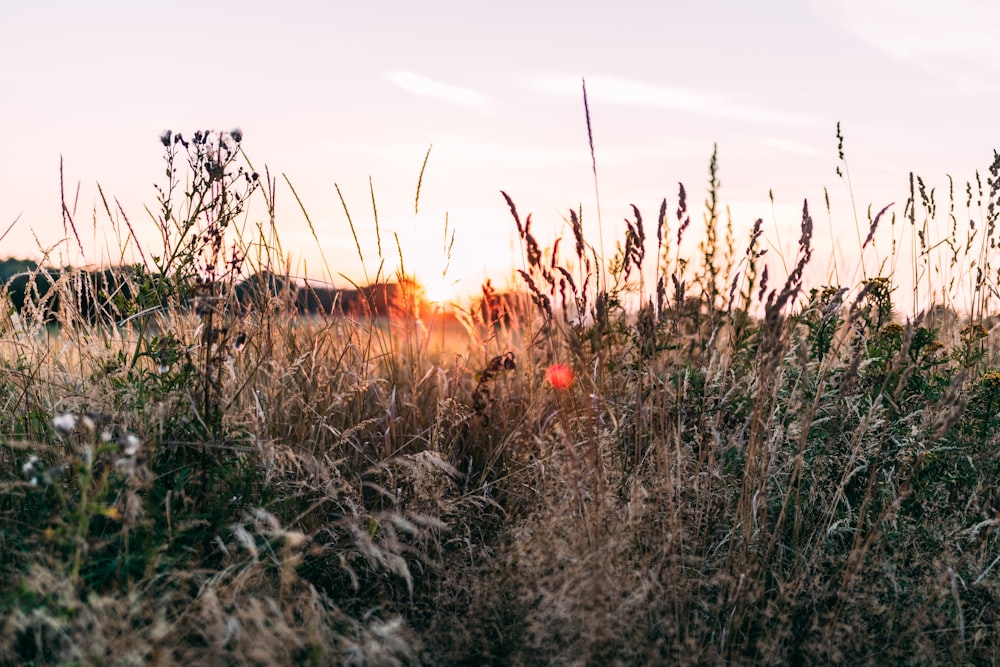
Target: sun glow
440,290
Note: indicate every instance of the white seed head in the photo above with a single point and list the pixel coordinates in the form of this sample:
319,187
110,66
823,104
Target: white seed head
130,444
30,464
65,423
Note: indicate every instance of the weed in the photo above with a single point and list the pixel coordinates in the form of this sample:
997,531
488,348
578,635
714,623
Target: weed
634,459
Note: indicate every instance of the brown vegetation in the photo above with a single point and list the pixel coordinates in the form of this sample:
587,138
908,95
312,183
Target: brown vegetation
750,473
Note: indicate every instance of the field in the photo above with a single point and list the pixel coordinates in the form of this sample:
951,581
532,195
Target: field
672,460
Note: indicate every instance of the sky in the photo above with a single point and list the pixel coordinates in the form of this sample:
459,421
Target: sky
355,93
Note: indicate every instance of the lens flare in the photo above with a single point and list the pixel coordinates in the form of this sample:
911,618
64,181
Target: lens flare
559,376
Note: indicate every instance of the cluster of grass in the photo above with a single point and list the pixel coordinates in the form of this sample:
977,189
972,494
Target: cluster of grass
664,462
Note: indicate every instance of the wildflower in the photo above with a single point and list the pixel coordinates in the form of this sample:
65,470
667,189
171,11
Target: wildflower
130,444
30,464
933,348
893,329
974,332
64,423
31,468
112,513
991,380
559,376
36,472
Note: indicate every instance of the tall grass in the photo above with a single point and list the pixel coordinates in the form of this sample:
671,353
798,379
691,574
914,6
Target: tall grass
686,461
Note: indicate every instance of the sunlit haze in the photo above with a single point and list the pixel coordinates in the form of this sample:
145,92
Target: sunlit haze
342,93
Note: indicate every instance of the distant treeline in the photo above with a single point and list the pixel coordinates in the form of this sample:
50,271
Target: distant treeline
113,294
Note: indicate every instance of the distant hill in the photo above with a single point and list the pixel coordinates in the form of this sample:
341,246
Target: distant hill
115,293
11,267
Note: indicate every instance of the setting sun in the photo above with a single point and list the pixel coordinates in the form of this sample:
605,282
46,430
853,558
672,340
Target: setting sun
425,333
440,290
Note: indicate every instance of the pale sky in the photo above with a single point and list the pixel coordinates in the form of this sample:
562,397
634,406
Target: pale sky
332,92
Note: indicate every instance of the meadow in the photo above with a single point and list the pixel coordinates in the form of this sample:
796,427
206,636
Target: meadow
671,455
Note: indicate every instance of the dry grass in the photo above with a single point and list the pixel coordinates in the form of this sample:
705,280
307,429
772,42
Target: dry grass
739,473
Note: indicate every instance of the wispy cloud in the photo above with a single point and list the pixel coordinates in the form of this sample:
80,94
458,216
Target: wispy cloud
614,90
420,85
953,41
534,152
788,146
468,152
